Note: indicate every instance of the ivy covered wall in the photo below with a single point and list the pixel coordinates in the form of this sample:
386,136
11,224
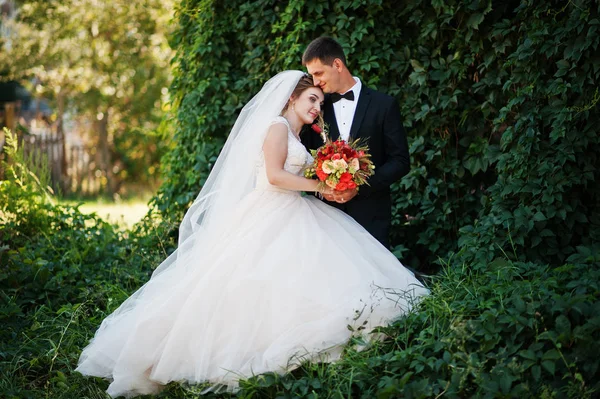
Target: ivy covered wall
500,100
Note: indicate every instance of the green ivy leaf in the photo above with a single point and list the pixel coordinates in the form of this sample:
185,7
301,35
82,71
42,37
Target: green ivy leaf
474,20
549,366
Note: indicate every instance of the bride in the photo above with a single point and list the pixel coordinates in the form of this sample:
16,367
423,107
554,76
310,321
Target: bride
263,277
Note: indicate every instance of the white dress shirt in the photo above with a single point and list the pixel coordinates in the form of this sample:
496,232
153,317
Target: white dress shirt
344,110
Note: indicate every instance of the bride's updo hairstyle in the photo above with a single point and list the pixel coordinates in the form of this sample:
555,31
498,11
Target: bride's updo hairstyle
304,83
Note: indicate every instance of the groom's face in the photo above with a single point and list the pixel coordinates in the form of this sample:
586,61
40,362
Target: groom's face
325,76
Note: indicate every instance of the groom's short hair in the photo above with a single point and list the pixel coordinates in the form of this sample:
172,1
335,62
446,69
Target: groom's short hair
324,49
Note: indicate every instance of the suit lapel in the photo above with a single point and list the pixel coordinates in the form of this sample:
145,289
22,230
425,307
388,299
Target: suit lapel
329,116
361,109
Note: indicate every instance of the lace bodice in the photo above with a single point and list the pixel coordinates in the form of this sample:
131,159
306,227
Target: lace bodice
298,158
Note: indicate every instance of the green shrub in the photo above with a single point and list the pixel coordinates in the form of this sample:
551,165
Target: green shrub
545,195
51,253
61,273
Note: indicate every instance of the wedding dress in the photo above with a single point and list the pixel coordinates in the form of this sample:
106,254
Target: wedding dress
275,282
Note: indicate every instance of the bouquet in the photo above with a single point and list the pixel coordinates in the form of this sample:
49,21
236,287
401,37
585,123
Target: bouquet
339,164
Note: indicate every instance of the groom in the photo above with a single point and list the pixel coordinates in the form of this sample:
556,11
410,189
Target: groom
352,110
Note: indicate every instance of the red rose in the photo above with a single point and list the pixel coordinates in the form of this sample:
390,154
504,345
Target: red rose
348,152
345,177
321,175
341,186
336,157
351,185
317,128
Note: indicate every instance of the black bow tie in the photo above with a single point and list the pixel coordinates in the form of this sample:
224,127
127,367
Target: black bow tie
335,97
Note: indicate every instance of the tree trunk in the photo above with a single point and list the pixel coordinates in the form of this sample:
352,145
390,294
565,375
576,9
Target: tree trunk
64,178
9,112
104,152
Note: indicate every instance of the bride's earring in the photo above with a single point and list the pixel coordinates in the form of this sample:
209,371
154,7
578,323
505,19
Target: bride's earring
293,109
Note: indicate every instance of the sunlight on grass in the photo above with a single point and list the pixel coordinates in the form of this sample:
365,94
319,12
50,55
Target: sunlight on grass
123,213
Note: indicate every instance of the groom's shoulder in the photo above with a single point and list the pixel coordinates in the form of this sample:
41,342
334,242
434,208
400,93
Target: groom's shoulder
380,97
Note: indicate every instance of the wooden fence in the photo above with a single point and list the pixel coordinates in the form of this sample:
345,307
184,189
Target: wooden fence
83,175
44,153
72,169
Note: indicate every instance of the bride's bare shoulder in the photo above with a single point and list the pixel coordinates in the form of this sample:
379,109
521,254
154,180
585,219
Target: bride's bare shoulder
277,132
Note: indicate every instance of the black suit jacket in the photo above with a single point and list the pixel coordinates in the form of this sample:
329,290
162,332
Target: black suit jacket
377,121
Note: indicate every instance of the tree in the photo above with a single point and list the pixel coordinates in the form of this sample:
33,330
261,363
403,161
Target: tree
107,61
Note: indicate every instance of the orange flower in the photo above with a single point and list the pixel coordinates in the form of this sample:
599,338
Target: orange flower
321,175
345,177
341,186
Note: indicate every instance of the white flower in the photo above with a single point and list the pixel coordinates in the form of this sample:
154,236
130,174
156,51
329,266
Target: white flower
354,165
340,164
331,182
328,167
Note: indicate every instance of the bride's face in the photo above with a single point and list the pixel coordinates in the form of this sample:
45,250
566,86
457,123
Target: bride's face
308,105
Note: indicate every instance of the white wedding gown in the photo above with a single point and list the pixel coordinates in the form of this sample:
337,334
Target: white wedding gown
278,283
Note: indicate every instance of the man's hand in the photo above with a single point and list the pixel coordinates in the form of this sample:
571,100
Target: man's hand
344,196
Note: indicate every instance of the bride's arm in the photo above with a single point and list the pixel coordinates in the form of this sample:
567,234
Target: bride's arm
275,149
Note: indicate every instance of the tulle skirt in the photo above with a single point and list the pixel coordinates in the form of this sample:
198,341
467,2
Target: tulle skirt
277,283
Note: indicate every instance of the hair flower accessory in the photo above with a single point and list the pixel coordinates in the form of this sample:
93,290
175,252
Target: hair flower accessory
321,128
